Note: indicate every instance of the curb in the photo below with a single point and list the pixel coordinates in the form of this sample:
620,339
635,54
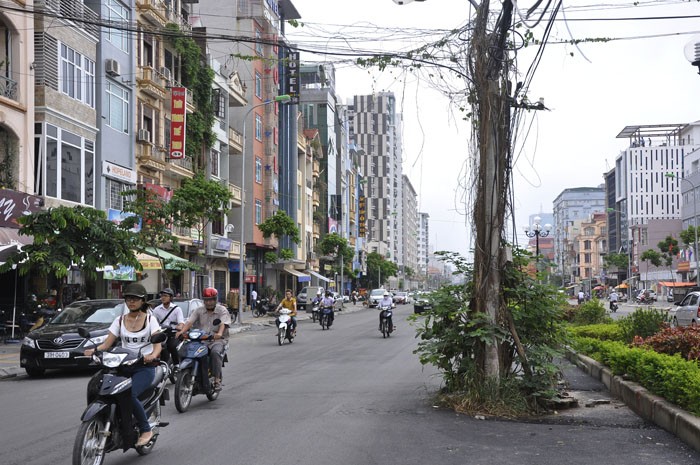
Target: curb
650,407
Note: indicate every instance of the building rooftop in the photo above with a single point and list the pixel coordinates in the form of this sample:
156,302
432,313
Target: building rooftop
651,130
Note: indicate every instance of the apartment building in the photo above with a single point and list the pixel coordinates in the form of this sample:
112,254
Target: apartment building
423,248
409,227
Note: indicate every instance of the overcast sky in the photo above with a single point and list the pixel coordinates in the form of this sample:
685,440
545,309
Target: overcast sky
593,92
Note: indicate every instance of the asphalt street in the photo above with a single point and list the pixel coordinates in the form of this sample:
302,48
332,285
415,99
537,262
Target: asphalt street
344,396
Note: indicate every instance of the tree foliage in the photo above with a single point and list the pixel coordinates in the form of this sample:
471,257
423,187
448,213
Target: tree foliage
198,202
66,236
619,260
375,263
278,225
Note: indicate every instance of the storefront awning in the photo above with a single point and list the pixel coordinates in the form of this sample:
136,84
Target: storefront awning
323,278
301,277
679,284
172,262
9,236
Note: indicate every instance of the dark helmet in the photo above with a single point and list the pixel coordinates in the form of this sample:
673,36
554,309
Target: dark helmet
168,291
135,290
210,293
329,293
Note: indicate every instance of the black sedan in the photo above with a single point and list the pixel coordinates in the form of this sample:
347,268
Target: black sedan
57,343
422,303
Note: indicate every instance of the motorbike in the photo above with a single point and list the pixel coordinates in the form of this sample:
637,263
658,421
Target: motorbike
170,330
284,330
261,308
195,375
613,307
385,314
104,427
325,318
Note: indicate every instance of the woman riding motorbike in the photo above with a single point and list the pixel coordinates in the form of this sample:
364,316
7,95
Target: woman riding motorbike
135,329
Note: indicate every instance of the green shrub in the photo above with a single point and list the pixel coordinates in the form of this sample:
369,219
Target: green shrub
684,341
668,376
590,313
644,322
602,331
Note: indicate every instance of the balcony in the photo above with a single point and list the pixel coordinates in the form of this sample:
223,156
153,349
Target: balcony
172,16
189,103
317,231
149,157
150,82
301,143
235,251
87,20
236,91
236,194
316,199
9,88
315,169
235,141
181,167
152,11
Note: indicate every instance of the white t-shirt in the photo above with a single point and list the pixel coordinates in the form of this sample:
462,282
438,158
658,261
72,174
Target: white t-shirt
175,316
135,341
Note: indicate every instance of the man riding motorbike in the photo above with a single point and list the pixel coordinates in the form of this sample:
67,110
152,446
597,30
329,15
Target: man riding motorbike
328,303
290,303
166,313
386,302
135,329
203,318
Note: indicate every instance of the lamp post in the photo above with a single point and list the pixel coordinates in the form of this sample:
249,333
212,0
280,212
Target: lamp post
695,225
537,230
241,259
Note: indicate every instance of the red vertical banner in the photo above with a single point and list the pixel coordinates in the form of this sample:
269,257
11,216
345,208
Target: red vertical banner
178,103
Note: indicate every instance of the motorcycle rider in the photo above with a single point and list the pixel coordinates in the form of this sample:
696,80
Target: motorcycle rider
134,329
329,302
166,313
386,302
290,303
613,300
203,318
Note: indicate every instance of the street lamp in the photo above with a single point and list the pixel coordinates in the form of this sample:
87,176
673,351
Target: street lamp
241,259
537,230
695,225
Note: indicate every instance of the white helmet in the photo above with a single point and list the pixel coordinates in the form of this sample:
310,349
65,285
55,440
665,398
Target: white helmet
386,293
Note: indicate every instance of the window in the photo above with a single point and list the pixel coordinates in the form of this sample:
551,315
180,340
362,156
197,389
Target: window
258,43
258,170
258,85
117,107
77,76
587,245
69,164
258,211
113,194
219,102
258,127
117,13
215,157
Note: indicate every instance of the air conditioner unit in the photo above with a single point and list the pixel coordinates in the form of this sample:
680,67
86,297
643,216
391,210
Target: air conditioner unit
112,67
165,72
144,135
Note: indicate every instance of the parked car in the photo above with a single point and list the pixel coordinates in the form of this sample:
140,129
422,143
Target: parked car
687,313
186,305
422,303
375,295
56,344
400,297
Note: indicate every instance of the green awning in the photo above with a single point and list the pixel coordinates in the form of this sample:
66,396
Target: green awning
172,261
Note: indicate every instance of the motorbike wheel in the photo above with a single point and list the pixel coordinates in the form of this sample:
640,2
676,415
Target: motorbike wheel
154,420
314,316
212,395
324,322
87,442
184,387
385,331
280,336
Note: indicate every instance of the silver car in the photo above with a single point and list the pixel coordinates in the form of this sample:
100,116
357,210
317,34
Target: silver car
688,311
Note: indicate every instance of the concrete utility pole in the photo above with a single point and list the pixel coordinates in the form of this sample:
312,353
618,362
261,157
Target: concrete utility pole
493,139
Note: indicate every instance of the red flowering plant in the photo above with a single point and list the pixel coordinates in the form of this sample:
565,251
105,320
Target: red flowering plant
684,341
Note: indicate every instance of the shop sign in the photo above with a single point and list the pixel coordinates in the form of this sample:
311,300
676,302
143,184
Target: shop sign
15,204
178,125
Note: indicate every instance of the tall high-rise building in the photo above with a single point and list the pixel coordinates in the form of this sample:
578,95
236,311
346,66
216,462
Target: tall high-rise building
423,242
410,225
376,127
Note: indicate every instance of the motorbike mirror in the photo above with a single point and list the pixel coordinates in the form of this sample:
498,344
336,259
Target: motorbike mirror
158,337
84,333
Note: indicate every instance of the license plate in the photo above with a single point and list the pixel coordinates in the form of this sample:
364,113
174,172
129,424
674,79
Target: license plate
56,354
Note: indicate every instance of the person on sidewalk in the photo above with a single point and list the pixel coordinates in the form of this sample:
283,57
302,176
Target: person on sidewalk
169,315
581,297
203,318
135,329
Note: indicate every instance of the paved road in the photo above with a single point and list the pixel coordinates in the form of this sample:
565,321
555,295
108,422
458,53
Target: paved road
344,396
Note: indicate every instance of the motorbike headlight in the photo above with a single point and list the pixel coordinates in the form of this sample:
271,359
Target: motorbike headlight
29,342
95,341
112,360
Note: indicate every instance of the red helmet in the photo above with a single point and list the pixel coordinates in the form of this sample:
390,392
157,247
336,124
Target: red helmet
210,293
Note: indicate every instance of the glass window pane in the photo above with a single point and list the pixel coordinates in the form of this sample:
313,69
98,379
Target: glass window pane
51,167
70,173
